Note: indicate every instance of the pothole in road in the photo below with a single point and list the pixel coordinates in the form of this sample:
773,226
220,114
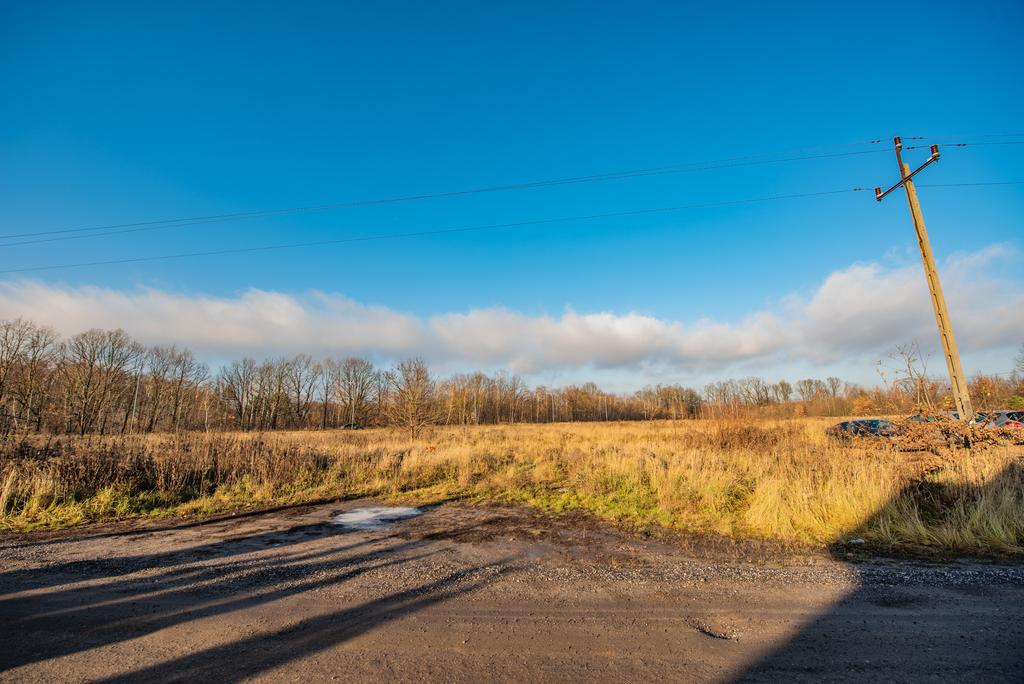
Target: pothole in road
374,518
709,631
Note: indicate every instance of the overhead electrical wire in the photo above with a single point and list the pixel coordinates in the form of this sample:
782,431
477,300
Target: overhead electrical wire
968,144
728,162
468,229
967,135
749,160
144,228
725,163
424,233
967,185
674,168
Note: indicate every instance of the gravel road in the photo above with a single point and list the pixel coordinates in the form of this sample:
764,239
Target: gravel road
485,594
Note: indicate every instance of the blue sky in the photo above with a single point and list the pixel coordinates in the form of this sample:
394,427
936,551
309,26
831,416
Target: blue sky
123,112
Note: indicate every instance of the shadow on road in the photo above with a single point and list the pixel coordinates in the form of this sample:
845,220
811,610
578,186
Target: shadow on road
72,607
907,620
257,654
912,621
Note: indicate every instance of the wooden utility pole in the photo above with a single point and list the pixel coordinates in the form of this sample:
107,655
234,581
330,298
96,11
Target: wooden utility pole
957,379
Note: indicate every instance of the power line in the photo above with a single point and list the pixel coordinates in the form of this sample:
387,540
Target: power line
199,222
957,185
968,135
477,228
969,144
424,233
750,160
729,162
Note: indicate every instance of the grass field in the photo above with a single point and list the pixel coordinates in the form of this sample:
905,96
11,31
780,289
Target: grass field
782,480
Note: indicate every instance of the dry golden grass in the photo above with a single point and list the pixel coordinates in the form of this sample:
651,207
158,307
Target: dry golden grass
781,480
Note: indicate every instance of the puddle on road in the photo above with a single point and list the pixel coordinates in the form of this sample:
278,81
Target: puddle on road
376,518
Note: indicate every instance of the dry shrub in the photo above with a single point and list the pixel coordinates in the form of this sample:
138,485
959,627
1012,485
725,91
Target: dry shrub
774,479
745,436
941,432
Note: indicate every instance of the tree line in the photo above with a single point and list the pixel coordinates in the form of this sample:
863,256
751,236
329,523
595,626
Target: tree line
103,381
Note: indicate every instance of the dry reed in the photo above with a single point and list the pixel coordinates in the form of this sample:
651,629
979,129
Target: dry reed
780,480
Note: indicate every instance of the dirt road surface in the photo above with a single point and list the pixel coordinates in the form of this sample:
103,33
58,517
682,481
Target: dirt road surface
484,594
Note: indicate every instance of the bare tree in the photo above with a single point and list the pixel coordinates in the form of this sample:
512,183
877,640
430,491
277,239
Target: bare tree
34,378
382,395
782,392
14,335
301,377
159,365
413,403
188,378
754,391
356,381
328,384
270,394
100,380
97,367
808,388
239,383
912,375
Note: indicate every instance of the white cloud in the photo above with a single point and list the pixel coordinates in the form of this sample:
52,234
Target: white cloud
864,309
256,322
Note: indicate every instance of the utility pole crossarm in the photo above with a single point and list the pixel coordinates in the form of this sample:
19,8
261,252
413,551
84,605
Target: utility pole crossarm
879,195
957,379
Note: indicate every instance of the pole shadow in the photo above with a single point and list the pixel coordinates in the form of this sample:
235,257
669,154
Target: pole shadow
914,620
